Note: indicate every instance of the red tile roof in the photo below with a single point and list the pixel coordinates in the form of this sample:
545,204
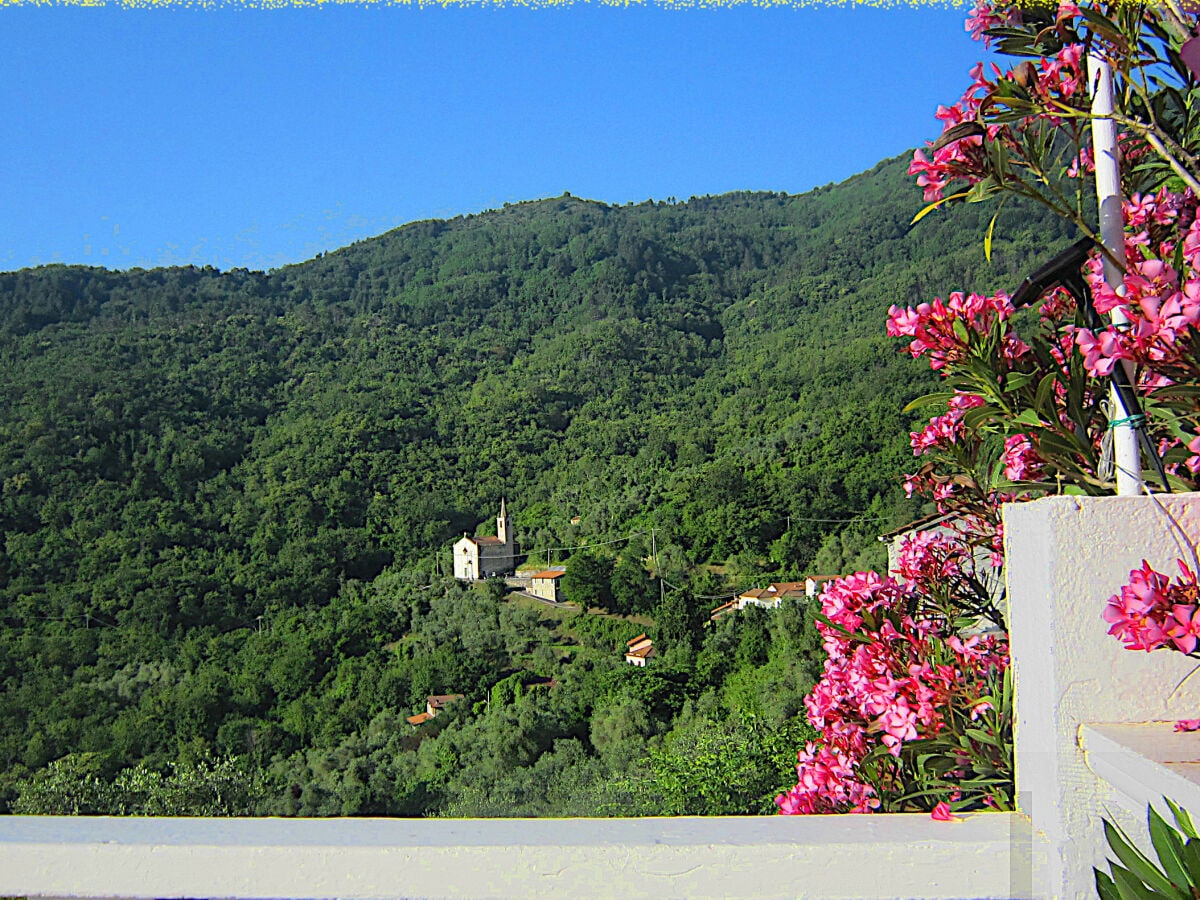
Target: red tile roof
641,652
783,587
419,718
438,701
637,645
640,637
549,573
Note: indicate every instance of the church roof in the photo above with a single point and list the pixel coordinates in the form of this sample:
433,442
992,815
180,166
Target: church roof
485,540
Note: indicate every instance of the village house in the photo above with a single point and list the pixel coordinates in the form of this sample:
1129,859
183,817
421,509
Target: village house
434,704
545,584
773,594
638,650
482,557
724,608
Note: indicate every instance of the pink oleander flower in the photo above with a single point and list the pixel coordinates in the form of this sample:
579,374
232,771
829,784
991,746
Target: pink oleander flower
1184,630
1139,209
1101,352
1084,162
1063,74
980,709
990,15
1151,611
899,724
932,326
1192,462
885,682
1021,460
927,557
941,813
931,176
944,430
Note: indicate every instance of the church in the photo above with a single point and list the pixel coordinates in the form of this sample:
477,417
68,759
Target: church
483,557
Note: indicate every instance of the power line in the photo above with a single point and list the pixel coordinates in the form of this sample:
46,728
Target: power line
549,550
676,587
857,518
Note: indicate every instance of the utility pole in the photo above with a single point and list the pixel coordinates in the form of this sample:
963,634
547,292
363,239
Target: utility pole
1126,453
662,591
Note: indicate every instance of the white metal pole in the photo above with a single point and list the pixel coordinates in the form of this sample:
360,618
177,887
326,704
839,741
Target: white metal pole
1112,233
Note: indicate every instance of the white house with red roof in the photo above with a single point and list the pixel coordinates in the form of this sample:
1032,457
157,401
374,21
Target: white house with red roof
638,650
772,595
483,557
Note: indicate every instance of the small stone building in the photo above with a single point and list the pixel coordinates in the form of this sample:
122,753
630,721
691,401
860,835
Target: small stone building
545,584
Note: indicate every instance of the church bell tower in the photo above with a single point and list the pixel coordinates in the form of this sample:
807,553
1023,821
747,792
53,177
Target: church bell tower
503,525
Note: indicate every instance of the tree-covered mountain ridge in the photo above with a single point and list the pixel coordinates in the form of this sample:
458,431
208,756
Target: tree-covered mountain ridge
187,454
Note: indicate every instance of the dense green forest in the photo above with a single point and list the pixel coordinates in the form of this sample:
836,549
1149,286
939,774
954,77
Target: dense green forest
228,498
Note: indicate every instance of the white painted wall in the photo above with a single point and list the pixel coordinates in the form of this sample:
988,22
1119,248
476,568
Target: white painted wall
828,857
1065,557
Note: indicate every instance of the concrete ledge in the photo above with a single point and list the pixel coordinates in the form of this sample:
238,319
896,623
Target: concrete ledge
1145,763
988,855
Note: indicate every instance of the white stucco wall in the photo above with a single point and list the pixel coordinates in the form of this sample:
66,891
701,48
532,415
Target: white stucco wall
827,857
1065,557
546,588
466,557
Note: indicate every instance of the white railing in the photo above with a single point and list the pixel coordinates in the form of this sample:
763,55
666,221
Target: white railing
1065,557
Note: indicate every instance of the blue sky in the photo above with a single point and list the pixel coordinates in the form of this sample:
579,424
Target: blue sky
257,138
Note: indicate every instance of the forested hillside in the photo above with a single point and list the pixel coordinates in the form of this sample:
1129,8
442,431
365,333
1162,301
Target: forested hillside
227,498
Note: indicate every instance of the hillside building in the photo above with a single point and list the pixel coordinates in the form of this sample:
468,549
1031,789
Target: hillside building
434,704
545,584
639,650
772,595
483,557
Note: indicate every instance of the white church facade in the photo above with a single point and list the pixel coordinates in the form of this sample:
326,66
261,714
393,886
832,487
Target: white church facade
483,557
